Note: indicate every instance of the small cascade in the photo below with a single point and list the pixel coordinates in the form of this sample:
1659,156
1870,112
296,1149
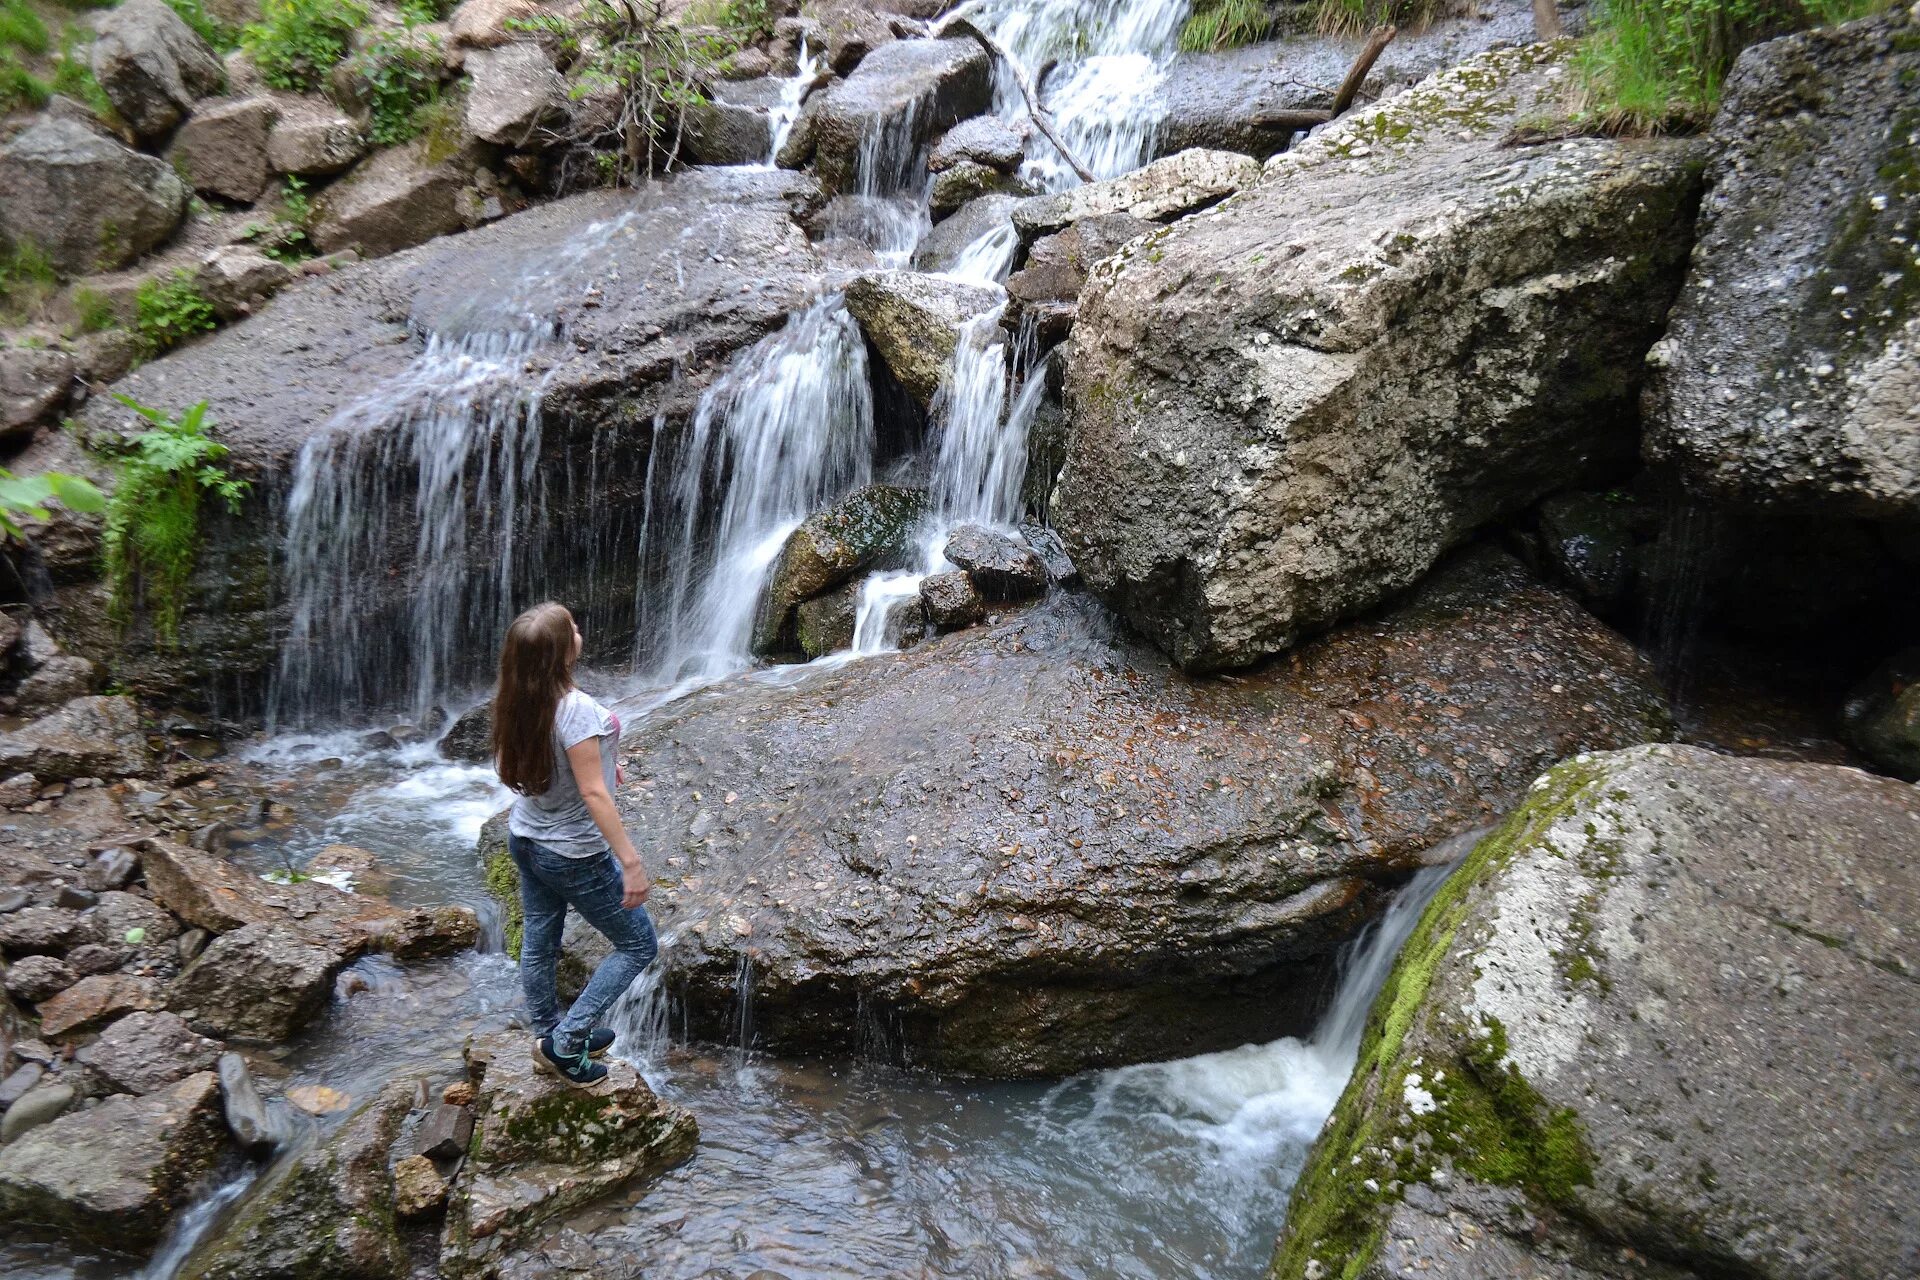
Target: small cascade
191,1225
793,92
785,431
893,188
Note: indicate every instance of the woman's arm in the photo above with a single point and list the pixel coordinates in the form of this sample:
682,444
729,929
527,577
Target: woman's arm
584,756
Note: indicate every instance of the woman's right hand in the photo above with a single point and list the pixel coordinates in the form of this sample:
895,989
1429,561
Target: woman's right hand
634,884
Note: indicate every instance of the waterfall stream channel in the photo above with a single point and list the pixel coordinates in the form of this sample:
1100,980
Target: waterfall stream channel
824,1168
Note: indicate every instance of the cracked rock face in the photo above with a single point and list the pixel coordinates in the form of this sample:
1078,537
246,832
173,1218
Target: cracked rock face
1286,409
1031,848
1666,1008
1791,373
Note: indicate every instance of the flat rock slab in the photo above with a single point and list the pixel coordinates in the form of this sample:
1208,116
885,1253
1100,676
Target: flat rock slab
1789,374
1286,409
1668,1007
99,737
116,1173
1165,189
1032,848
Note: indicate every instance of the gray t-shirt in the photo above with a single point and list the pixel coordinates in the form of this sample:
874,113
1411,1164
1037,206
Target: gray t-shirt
558,817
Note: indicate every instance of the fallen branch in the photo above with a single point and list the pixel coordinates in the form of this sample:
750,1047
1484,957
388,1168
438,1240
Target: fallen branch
1042,121
1306,118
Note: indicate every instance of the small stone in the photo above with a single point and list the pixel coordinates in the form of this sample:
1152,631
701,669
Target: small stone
32,979
35,1108
952,600
40,930
445,1132
17,1085
74,898
97,1000
459,1094
111,868
318,1099
14,899
418,1188
98,957
247,1116
191,943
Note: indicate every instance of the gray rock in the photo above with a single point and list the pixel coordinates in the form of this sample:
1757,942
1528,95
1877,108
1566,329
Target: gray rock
152,65
901,95
1047,286
34,978
515,93
864,530
115,1174
19,1083
1592,541
38,1106
906,623
825,623
237,278
953,235
98,737
119,913
1882,715
914,322
145,1052
1168,188
993,141
1285,410
733,126
311,137
1729,937
221,149
952,600
98,957
482,24
247,1117
1011,893
260,983
1788,373
41,931
87,202
112,869
57,681
76,898
34,384
967,180
849,30
331,1213
394,200
1001,567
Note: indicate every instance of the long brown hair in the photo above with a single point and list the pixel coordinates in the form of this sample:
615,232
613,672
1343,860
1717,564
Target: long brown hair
536,671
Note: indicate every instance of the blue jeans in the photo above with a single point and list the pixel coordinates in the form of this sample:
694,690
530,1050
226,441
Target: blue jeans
549,884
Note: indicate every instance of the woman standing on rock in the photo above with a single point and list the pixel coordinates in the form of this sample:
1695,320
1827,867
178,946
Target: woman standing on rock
555,747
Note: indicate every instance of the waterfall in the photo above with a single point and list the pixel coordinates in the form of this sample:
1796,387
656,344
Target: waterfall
190,1226
786,430
793,91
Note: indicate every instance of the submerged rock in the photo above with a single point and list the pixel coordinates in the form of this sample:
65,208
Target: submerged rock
1658,1014
115,1174
914,321
1032,848
1286,410
900,95
1789,373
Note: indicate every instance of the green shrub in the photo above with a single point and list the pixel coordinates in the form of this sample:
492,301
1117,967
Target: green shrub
1350,17
418,12
152,535
401,72
296,42
209,28
1226,24
21,29
95,310
1651,65
169,311
26,497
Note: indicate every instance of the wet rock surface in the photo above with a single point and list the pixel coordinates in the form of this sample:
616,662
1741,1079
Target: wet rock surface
143,1052
1002,567
914,322
1788,373
1729,936
1287,409
1163,190
862,531
1031,848
1882,715
1047,286
905,92
97,737
116,1173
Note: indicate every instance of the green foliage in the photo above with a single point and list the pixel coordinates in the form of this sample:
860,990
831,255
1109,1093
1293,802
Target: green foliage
168,311
1354,16
1225,24
19,87
152,534
21,29
27,279
297,42
73,74
1651,65
401,73
416,12
209,28
295,204
26,497
95,310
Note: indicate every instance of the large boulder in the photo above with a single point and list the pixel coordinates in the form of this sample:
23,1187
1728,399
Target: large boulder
515,92
394,200
1032,848
152,65
329,1211
222,148
1286,410
866,529
902,94
116,1174
541,1149
97,737
260,983
86,202
914,321
34,382
1789,373
311,137
1664,1013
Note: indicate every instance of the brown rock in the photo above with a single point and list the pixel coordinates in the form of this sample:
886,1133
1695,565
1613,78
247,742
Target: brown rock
95,1000
221,149
418,1188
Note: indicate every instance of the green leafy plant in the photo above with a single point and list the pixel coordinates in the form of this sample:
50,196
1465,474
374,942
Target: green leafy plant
417,12
297,42
296,206
401,72
1652,65
1226,24
209,28
152,534
169,310
26,497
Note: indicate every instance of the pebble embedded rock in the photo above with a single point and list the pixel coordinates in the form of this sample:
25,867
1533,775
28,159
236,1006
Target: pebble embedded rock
259,983
144,1052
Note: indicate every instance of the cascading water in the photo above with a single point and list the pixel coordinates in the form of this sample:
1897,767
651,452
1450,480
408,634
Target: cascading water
786,430
793,92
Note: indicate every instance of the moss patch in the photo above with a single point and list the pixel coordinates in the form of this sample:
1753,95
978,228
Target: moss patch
503,882
1400,1115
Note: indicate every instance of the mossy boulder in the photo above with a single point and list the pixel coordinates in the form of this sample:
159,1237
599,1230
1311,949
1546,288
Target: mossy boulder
864,530
1621,1037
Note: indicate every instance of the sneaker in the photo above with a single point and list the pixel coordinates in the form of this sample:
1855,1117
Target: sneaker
578,1070
599,1040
